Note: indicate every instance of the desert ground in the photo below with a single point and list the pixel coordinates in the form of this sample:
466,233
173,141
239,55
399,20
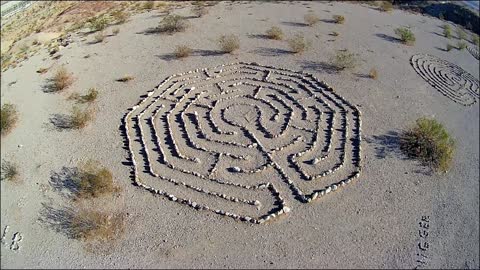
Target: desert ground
379,219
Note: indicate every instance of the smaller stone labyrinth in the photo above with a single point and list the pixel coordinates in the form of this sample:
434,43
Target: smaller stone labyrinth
449,79
224,140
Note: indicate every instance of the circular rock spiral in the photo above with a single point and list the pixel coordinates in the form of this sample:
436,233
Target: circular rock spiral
225,139
449,79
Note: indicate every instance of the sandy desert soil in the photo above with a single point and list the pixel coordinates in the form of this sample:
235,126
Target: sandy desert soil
371,223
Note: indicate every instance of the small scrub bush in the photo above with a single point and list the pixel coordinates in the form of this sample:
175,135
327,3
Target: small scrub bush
91,95
373,74
125,78
94,181
148,5
447,31
405,35
298,44
172,23
115,31
119,16
461,45
99,37
80,118
92,225
275,33
475,39
42,70
311,19
9,171
429,142
182,51
229,43
335,34
386,6
98,23
61,80
339,19
461,33
344,60
450,47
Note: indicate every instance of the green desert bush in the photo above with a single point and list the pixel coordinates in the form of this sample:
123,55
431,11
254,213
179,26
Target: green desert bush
475,39
405,35
94,181
450,47
172,23
311,18
298,44
461,45
343,60
98,23
429,142
229,43
9,171
81,117
275,33
461,33
61,80
447,31
339,19
182,51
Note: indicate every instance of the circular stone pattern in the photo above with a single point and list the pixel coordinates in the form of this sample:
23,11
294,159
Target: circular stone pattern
449,79
235,139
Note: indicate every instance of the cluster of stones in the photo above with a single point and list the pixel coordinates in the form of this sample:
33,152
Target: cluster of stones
449,79
172,100
473,50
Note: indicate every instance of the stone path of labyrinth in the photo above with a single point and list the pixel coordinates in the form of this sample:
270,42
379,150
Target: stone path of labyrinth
449,79
224,139
473,50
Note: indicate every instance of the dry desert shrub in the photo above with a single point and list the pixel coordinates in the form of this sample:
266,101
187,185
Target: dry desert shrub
373,74
335,34
449,47
148,5
339,19
81,117
42,70
92,225
61,80
125,78
91,95
95,181
405,35
298,44
461,45
172,23
115,31
343,60
119,16
8,118
311,18
386,6
229,43
99,37
475,39
182,51
275,33
461,33
97,23
9,171
429,142
447,31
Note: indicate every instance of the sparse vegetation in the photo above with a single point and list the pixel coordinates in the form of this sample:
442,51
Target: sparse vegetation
449,47
461,45
99,37
386,6
182,51
115,31
344,60
125,78
91,95
9,117
461,34
373,74
119,16
339,19
172,23
97,23
447,31
475,39
9,171
92,225
148,5
81,117
429,142
405,35
298,44
61,80
229,43
275,33
42,70
311,18
199,11
94,181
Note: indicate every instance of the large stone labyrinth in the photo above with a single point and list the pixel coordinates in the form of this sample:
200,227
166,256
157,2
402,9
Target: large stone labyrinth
449,79
225,139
